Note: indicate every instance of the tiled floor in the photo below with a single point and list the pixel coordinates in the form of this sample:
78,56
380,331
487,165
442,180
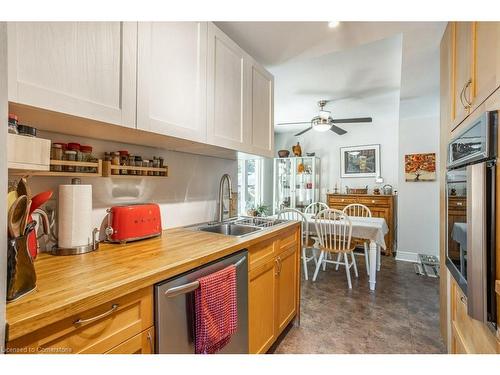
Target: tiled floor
402,316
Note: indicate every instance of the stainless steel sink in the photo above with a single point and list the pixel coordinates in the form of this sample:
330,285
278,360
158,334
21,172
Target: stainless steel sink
238,226
229,229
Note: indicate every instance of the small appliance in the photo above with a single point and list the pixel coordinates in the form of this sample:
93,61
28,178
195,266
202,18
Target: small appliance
133,222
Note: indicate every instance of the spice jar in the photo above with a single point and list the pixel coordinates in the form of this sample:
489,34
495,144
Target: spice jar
156,164
70,155
56,153
150,173
138,163
115,161
86,156
145,163
123,162
161,166
107,156
78,157
13,124
131,163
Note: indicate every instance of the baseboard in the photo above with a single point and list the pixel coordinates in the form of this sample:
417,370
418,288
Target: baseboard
406,256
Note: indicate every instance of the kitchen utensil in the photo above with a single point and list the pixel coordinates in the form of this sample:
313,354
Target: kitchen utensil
16,217
11,197
23,188
387,189
40,199
133,222
26,217
283,153
21,275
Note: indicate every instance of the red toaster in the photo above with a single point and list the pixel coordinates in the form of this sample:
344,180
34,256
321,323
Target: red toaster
133,222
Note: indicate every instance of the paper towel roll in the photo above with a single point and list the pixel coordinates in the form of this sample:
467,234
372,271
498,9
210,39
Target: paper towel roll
75,216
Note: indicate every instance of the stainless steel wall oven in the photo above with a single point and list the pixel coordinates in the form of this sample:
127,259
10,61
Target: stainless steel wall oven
470,215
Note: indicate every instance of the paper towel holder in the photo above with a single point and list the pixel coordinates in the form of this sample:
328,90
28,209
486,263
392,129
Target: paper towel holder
78,249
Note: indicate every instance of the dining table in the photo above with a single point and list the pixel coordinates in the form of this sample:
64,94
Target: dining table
372,229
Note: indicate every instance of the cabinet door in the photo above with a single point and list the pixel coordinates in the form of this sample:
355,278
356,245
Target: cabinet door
171,79
261,307
262,111
287,286
228,93
486,60
143,343
462,70
86,69
446,69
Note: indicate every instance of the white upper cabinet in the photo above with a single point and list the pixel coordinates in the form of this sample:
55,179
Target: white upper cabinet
262,111
171,79
228,93
86,69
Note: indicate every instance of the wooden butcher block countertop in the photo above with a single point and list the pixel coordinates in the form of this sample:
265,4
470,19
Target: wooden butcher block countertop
71,284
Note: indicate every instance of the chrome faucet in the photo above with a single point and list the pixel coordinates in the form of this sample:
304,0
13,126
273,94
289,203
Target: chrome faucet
224,178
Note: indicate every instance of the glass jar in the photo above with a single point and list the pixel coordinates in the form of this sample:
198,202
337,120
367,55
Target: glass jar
76,147
13,124
56,153
86,156
161,166
123,162
115,161
131,163
138,163
150,173
145,163
70,155
156,164
107,156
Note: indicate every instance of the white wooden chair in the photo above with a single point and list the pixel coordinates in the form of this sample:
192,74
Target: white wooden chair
334,229
359,210
306,244
315,207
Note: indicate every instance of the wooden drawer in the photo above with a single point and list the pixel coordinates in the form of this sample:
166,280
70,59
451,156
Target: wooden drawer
341,200
101,329
374,201
143,343
457,204
288,240
261,253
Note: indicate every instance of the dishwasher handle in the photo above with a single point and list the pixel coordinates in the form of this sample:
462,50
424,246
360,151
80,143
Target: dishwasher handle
189,287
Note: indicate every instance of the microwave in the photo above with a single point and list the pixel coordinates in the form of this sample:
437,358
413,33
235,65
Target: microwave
470,215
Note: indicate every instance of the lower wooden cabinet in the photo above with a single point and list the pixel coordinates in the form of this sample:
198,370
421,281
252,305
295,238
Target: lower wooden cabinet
468,335
143,343
273,289
94,331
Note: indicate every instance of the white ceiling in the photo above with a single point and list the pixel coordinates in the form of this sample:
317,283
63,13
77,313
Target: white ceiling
355,63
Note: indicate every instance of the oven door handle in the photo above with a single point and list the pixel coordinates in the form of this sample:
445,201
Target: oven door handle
189,287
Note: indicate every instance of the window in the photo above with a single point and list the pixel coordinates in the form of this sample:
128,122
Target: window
249,184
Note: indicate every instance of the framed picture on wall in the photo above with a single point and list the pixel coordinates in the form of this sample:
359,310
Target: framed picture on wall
420,167
360,161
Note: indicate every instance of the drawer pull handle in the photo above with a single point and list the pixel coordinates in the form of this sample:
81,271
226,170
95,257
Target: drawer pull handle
373,200
459,204
93,319
150,340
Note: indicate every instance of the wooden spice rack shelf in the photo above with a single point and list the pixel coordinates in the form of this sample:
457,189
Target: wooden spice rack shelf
108,168
65,163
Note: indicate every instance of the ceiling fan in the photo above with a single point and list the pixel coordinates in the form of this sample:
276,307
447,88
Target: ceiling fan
324,122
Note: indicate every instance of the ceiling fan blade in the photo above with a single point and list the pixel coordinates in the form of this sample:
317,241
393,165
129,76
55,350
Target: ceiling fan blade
303,131
337,130
351,120
294,123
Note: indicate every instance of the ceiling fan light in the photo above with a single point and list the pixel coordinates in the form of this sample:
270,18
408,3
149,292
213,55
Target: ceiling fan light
321,127
324,114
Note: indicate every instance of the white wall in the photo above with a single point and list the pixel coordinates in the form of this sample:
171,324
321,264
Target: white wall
3,178
188,196
384,109
418,202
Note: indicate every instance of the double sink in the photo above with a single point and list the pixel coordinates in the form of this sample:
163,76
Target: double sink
239,226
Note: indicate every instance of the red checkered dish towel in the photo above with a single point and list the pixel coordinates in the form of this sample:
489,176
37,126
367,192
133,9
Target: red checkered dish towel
216,313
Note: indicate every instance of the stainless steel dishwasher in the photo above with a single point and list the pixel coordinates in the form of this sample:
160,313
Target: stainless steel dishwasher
174,308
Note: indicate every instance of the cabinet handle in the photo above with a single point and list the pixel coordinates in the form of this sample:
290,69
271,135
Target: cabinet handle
462,299
459,204
93,319
373,200
277,272
462,97
150,340
467,85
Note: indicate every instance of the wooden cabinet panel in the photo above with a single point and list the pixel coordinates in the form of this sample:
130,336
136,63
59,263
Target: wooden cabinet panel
171,79
287,288
262,111
261,253
446,77
86,69
102,328
261,307
229,93
462,70
143,343
383,206
486,46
